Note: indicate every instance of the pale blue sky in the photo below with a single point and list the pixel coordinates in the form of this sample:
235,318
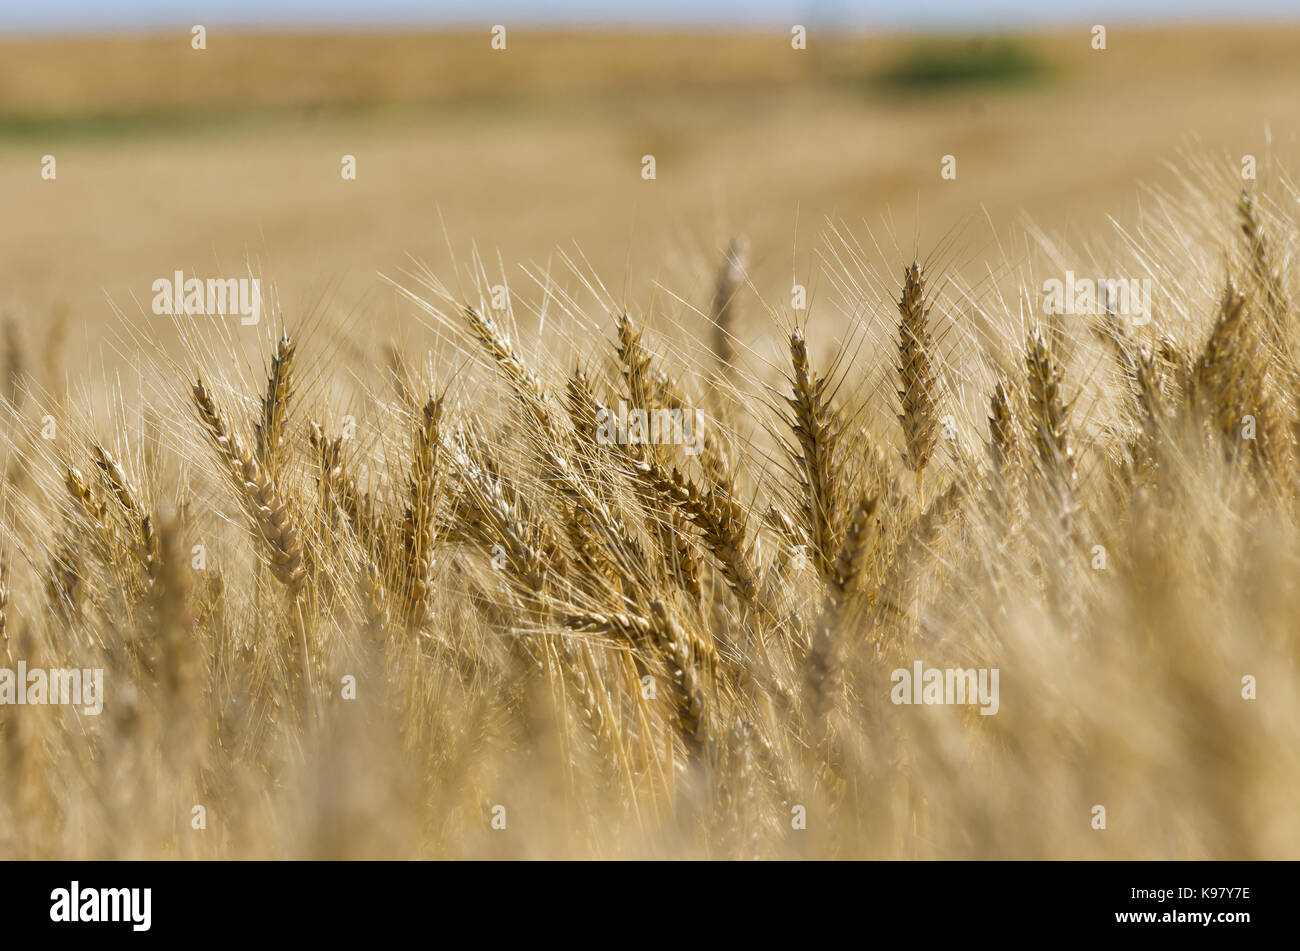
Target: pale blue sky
92,15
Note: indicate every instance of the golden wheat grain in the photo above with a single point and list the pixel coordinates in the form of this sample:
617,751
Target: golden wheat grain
1049,417
1224,376
720,519
816,428
270,516
421,514
918,395
270,428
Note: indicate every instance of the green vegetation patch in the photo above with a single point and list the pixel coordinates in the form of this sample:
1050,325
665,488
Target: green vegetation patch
940,65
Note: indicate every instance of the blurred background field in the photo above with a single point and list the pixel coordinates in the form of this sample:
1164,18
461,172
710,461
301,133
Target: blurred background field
170,158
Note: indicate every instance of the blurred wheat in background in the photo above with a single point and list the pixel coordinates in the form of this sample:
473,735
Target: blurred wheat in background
369,580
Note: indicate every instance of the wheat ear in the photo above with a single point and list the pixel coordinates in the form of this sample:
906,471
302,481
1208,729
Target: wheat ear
687,683
816,461
129,499
1266,276
420,513
270,515
726,288
918,394
1049,416
1223,378
275,408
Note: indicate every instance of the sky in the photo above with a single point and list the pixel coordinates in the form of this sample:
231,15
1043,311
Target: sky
96,15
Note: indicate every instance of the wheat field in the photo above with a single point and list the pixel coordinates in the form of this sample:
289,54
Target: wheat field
441,592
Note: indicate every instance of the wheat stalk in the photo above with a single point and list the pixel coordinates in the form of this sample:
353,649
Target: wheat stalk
4,606
823,680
